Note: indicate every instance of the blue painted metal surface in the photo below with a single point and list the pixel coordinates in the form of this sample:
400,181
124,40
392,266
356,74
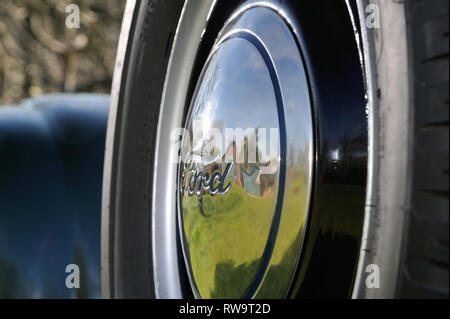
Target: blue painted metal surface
51,164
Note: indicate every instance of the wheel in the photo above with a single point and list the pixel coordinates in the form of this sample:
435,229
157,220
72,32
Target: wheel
273,149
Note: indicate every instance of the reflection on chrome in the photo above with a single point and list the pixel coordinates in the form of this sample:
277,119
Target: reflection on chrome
242,205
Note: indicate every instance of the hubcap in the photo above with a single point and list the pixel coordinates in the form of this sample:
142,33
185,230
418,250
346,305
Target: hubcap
245,179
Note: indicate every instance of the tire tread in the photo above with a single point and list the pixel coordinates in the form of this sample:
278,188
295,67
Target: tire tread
425,269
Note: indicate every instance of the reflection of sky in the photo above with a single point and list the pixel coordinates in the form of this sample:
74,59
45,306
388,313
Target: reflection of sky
238,91
237,94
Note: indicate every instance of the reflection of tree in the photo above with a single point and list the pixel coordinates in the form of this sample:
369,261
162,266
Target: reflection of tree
247,173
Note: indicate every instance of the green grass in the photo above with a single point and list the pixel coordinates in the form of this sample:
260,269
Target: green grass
226,245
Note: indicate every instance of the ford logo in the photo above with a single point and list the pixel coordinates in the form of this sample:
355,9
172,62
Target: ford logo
212,179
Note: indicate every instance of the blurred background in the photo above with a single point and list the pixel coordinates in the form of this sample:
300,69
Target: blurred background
54,99
40,55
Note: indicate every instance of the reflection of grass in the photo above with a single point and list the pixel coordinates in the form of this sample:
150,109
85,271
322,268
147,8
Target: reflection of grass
227,245
276,281
279,276
235,233
289,239
230,278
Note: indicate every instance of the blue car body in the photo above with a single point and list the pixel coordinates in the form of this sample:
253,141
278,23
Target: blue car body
51,165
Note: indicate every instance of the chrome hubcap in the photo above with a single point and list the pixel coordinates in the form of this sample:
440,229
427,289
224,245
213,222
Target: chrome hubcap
245,180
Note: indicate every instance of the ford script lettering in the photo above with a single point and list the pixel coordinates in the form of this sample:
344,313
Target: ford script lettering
211,180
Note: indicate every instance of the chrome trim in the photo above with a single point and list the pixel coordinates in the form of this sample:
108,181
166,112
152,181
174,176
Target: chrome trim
194,19
368,49
387,208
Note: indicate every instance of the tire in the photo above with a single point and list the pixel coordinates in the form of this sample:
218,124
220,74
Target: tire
424,271
143,55
405,227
